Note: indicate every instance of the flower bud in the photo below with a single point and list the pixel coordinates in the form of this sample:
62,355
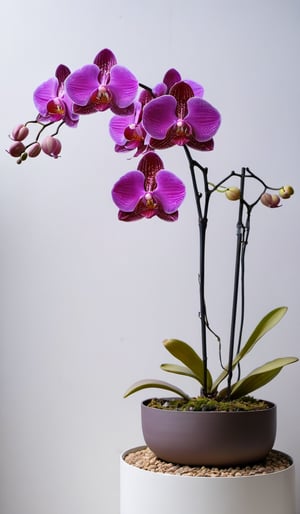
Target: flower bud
51,146
233,193
270,200
22,158
34,150
286,192
20,132
16,149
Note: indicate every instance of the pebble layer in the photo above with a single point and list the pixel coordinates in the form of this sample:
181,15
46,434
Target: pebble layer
145,459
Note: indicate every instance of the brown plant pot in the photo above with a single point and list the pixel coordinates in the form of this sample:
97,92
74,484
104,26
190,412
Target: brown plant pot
209,438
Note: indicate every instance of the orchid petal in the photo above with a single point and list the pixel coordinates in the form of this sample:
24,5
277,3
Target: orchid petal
203,146
62,72
129,190
170,191
203,118
197,88
71,118
150,164
129,216
123,85
160,89
82,83
143,210
145,97
131,145
159,115
182,91
167,217
171,77
105,59
124,111
43,93
117,125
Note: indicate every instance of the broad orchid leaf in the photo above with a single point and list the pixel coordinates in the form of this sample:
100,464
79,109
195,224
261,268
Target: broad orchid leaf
185,353
269,321
157,384
179,370
260,376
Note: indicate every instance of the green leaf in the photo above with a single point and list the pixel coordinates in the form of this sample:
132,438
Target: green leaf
260,376
179,370
158,384
187,355
269,321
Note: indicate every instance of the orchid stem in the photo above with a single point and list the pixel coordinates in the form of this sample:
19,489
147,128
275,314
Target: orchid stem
240,235
202,224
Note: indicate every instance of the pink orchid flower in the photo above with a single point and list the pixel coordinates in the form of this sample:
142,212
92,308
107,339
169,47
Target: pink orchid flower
52,101
128,132
181,118
102,85
148,191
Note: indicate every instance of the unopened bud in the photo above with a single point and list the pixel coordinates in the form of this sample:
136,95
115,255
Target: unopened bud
51,146
22,158
270,200
20,132
34,150
286,192
16,149
233,193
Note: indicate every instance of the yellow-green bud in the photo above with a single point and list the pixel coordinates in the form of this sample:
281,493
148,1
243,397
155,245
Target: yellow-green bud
233,193
286,191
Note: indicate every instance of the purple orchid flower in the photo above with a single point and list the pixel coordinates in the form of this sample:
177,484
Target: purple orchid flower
181,118
52,101
148,191
102,85
127,131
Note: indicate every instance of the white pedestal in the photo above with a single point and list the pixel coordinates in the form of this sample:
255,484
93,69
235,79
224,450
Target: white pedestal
147,492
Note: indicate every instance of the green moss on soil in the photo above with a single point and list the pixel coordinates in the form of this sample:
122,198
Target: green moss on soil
209,404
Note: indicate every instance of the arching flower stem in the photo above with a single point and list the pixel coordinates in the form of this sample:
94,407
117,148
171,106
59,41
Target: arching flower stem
43,126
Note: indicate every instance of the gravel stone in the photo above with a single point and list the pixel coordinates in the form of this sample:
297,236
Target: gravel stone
145,459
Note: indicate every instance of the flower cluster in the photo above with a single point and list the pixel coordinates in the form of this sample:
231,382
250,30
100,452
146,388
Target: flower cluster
146,120
171,113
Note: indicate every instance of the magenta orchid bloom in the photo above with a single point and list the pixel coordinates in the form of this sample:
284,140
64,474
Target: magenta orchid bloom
181,118
148,191
52,102
102,85
128,132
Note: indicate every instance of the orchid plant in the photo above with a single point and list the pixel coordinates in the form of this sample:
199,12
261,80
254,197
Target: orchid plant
147,120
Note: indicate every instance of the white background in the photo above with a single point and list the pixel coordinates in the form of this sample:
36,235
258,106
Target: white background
87,300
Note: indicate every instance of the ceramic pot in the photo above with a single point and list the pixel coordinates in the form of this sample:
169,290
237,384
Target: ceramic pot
147,492
209,438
